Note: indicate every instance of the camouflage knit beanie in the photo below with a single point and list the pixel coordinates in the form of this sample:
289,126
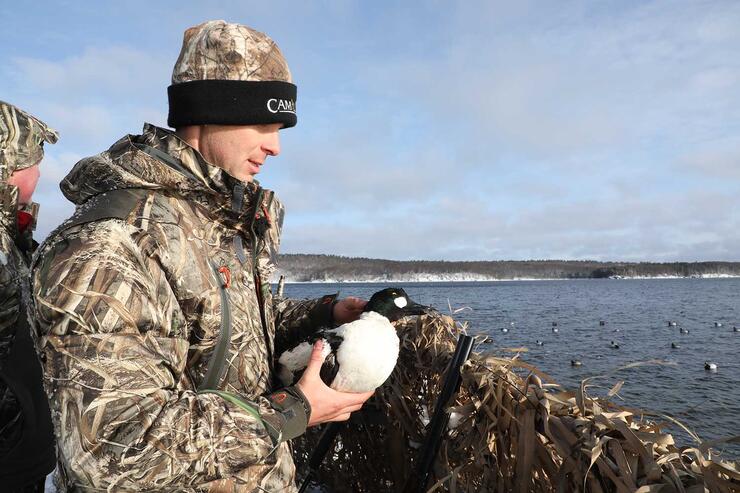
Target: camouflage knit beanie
229,74
22,138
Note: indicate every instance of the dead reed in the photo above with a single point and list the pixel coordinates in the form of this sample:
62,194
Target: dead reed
512,428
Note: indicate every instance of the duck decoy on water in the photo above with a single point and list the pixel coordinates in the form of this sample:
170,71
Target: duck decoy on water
671,323
614,345
718,324
539,343
710,366
555,330
554,324
675,346
504,330
575,362
617,330
736,329
602,323
683,331
360,355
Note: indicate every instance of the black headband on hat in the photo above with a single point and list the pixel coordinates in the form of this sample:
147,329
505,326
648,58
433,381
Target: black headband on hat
232,102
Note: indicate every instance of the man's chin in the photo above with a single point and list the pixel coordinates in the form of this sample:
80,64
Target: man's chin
244,177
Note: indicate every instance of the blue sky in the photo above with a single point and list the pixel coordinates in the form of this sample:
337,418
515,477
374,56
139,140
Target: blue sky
436,130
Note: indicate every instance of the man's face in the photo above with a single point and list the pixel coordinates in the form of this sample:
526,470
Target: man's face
240,150
26,181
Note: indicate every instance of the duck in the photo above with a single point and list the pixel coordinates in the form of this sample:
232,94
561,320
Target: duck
614,345
671,323
710,366
554,330
675,346
683,331
617,330
504,330
602,323
736,329
554,324
539,343
359,355
718,324
576,362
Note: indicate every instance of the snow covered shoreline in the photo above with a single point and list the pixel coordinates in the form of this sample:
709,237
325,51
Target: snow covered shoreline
468,277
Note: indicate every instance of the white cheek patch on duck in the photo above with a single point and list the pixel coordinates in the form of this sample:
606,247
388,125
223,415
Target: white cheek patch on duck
400,302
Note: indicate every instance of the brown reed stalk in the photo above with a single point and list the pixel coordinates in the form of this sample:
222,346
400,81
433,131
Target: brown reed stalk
515,429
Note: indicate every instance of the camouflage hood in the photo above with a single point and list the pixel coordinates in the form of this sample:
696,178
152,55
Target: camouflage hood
132,163
22,138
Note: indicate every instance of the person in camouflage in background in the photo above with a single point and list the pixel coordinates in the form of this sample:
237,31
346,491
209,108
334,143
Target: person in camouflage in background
157,326
26,439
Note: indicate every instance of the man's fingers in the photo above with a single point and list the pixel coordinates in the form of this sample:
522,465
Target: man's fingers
352,409
317,358
353,303
348,399
358,303
341,417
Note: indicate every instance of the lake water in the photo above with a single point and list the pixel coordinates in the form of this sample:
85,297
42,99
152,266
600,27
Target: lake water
708,402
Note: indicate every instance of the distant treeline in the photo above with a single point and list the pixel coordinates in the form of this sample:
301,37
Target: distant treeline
301,268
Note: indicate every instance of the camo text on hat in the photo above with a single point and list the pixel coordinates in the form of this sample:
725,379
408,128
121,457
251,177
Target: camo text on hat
230,74
22,138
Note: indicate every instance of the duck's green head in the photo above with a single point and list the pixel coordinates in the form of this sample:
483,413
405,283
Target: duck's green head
394,303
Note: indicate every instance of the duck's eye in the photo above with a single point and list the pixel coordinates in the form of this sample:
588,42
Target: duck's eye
400,302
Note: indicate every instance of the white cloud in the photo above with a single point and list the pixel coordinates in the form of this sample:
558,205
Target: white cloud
463,130
92,98
118,70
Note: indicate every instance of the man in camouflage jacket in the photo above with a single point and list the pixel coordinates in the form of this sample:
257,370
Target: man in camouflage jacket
26,440
158,329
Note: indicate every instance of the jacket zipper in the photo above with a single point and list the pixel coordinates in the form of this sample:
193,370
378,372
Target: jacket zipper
258,281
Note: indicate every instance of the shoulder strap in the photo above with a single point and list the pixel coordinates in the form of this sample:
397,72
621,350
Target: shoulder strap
115,204
165,158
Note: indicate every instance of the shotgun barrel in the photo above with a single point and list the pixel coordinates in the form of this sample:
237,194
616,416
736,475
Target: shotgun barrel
417,483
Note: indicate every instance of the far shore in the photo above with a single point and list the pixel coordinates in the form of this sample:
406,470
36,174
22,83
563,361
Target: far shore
463,279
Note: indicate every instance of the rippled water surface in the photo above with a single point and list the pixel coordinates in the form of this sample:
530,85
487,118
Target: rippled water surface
636,315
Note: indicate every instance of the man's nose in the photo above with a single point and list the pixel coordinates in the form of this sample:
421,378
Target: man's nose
271,145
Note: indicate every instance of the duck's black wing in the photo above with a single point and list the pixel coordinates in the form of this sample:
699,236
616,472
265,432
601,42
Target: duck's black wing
330,368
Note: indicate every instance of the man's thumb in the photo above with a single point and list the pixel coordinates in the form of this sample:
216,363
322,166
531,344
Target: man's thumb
317,358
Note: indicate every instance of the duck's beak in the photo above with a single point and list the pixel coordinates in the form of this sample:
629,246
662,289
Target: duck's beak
414,308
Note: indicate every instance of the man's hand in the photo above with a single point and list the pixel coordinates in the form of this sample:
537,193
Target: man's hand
326,404
348,310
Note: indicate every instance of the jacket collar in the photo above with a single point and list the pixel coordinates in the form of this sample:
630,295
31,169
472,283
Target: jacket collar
8,209
228,196
9,217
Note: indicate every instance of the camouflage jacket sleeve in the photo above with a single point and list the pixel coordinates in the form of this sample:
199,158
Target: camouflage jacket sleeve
297,319
10,297
114,342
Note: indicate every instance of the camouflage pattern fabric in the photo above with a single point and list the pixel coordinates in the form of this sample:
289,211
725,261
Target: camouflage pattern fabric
13,288
21,146
22,138
224,51
130,313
